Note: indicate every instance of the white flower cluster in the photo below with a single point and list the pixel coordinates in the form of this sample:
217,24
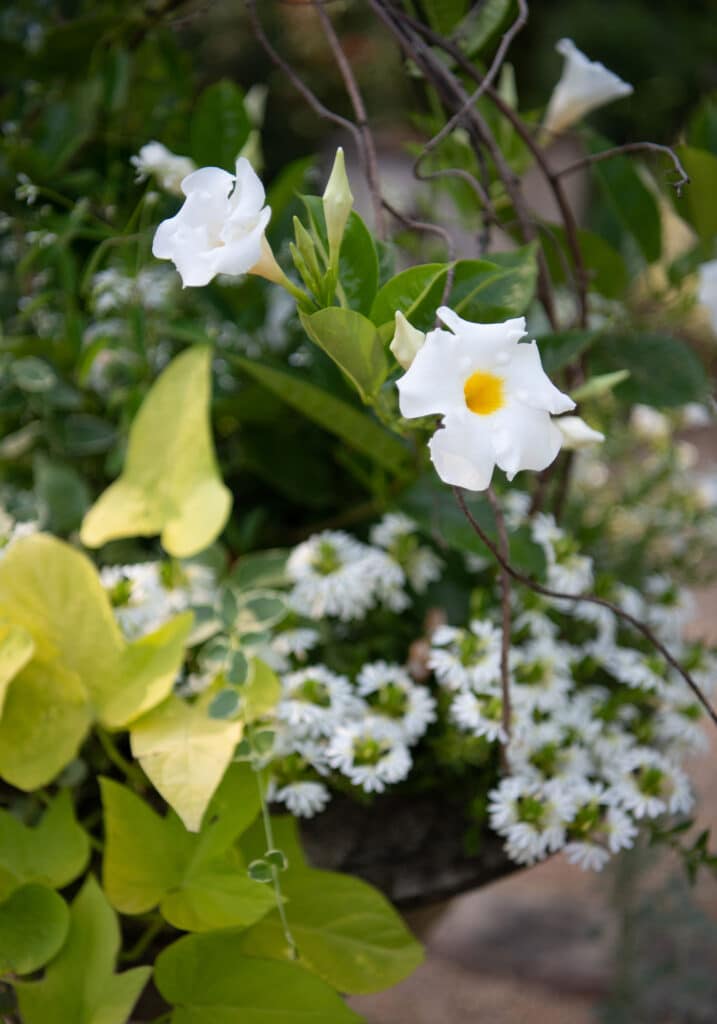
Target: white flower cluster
336,575
145,595
362,730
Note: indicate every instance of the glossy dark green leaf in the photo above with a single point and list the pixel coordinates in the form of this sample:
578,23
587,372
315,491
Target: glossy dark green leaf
415,292
352,425
697,204
605,266
488,291
564,347
220,126
62,493
663,370
444,15
33,925
630,201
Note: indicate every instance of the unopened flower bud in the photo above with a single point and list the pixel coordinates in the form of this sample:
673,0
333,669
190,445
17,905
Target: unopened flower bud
338,202
406,342
576,432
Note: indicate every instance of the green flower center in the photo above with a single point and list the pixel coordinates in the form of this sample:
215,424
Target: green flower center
369,751
472,649
390,700
531,811
313,691
121,593
326,560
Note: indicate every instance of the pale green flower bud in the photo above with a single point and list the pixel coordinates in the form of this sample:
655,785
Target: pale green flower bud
406,341
338,202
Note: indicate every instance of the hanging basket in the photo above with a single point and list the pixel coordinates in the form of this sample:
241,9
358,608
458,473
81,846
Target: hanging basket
412,848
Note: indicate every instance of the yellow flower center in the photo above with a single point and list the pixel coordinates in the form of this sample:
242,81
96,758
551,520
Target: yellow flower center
483,393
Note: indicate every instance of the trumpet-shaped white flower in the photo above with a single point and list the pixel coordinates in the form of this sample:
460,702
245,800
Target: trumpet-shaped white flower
495,398
168,169
584,85
707,290
219,229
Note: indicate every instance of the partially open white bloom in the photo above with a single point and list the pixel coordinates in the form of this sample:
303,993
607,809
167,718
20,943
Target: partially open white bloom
168,169
584,85
219,229
406,341
707,290
303,799
495,398
576,433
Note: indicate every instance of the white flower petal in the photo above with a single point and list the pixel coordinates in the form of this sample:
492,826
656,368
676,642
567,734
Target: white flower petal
462,454
707,290
434,380
524,438
584,85
531,384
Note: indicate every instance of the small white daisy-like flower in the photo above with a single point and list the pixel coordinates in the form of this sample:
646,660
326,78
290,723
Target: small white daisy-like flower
139,600
541,674
669,608
396,533
463,658
647,784
542,752
295,643
494,396
586,855
303,799
315,700
391,692
516,506
480,714
336,575
370,752
168,169
633,668
584,85
532,817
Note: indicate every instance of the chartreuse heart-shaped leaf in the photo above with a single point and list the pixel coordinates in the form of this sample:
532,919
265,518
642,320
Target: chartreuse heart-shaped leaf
80,985
44,721
33,925
185,753
261,692
170,484
81,669
198,879
209,978
345,931
16,649
53,853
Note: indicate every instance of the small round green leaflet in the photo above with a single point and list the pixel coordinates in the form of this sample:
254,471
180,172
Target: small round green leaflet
224,705
33,925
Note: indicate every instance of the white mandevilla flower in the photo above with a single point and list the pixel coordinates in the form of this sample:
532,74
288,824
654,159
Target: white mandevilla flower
584,85
166,167
707,290
495,398
219,229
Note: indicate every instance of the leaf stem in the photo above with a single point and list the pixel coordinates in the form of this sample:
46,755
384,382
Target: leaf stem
269,836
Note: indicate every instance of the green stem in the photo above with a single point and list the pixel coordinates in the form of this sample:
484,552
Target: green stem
269,836
128,769
145,940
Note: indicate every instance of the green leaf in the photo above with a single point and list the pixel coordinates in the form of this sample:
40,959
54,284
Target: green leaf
697,204
358,265
33,926
220,126
353,343
145,855
80,986
444,15
415,292
479,29
170,483
55,594
489,291
33,374
146,673
207,978
702,128
16,649
198,880
62,493
630,201
261,692
663,370
602,384
352,425
606,268
52,853
185,753
47,694
345,930
563,348
261,569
